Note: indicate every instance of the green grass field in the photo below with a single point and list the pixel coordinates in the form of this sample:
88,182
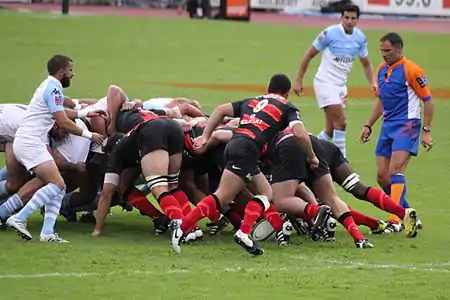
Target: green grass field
128,262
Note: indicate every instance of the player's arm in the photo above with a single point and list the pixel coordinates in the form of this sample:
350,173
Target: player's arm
219,136
77,104
367,129
320,43
300,132
216,118
367,65
418,82
190,110
376,113
368,71
428,112
67,124
304,64
110,186
63,164
62,117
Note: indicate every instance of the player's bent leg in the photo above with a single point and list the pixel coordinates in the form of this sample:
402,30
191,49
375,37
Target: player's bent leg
350,181
397,167
283,228
337,115
16,176
285,201
49,196
376,226
324,189
229,186
256,207
155,166
52,195
303,192
179,194
327,133
383,173
23,195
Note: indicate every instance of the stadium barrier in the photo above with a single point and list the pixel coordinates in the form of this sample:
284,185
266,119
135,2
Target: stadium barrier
431,8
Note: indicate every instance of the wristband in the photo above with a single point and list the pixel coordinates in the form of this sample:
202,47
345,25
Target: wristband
82,113
76,101
87,134
77,107
369,127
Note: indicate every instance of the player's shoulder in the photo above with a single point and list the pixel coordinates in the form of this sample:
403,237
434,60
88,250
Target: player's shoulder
381,66
52,87
335,28
411,66
359,34
332,31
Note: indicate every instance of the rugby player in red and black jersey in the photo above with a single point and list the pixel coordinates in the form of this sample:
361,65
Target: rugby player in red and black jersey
261,118
153,144
290,168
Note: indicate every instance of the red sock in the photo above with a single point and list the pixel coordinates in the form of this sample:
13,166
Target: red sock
207,207
137,199
384,202
274,218
362,219
347,221
253,211
311,210
183,200
170,206
234,218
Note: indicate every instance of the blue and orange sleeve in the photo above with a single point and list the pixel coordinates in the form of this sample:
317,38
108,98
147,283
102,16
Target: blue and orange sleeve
417,80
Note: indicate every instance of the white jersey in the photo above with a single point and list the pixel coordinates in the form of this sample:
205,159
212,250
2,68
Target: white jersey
339,52
101,104
47,100
74,148
11,116
156,103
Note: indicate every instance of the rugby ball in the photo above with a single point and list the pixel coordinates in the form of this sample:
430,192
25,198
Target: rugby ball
262,231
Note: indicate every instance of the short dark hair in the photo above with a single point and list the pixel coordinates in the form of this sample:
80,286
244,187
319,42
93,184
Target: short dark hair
279,84
394,38
57,62
351,8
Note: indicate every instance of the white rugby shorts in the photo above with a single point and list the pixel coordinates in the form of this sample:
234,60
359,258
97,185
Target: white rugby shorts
329,94
31,152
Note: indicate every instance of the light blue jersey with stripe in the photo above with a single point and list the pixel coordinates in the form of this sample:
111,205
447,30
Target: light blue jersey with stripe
339,52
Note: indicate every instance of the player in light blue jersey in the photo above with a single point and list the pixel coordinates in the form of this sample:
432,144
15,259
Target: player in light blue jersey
30,147
341,44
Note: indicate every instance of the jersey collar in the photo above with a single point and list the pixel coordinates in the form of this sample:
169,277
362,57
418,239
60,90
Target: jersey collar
343,30
398,63
275,96
51,78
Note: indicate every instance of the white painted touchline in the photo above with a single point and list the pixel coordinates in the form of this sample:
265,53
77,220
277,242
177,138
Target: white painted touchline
355,264
331,264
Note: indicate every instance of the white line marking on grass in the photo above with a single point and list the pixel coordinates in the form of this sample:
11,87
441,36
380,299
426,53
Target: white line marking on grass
354,264
327,264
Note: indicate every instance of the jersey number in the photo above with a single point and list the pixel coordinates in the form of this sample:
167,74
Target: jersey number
260,106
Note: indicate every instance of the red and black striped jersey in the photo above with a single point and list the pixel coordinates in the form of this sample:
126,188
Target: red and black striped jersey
130,119
262,117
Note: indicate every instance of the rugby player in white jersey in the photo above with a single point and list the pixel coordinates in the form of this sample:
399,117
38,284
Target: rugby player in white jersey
11,116
30,147
341,45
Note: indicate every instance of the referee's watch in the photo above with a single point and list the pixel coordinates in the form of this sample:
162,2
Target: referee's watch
426,128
